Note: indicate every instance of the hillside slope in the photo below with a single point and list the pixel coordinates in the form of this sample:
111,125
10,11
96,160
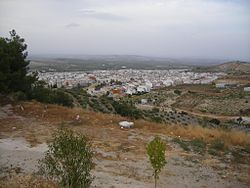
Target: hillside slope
121,159
234,66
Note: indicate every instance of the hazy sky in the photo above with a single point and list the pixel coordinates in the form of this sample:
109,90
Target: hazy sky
167,28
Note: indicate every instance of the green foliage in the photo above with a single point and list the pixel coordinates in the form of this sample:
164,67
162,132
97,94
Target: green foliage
182,144
99,86
216,147
218,144
116,82
198,146
156,152
155,110
239,120
156,119
14,66
69,160
19,96
48,95
61,98
177,92
215,121
125,109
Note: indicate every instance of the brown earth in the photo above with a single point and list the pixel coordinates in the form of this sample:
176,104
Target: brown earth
120,154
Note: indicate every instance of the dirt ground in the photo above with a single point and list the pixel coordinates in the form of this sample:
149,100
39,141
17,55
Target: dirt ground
120,157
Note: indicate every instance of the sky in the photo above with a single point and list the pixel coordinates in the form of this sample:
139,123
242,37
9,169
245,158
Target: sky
217,29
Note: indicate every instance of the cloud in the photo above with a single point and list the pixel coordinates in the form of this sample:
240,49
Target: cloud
101,15
173,28
71,25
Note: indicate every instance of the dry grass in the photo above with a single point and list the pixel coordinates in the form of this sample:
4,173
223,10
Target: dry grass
58,114
27,181
193,132
104,126
38,122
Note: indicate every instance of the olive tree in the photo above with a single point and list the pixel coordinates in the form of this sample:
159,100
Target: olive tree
68,160
156,152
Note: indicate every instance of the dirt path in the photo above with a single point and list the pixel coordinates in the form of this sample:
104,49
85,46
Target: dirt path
200,114
123,173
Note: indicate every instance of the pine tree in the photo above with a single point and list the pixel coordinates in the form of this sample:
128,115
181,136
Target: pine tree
14,65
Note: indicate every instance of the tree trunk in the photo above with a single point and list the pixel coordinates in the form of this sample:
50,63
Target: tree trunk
155,180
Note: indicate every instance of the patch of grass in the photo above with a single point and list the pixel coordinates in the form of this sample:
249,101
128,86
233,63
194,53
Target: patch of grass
183,144
198,145
156,119
239,157
246,149
217,147
212,151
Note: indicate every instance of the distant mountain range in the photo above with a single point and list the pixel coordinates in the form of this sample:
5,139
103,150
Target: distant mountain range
110,62
114,62
131,58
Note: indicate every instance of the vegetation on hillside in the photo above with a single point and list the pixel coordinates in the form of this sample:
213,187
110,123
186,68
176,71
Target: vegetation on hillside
14,65
23,85
156,152
69,160
17,81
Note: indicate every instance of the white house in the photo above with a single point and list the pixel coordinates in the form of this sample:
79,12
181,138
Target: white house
220,85
144,101
246,88
168,82
142,89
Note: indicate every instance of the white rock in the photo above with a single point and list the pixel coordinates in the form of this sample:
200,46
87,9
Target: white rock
126,124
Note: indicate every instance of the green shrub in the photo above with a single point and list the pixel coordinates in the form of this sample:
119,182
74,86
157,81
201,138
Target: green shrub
69,160
215,121
239,157
125,109
156,119
155,110
198,145
177,92
156,152
182,144
216,147
52,96
19,96
61,98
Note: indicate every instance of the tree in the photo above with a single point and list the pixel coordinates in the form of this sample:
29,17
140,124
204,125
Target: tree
125,109
13,65
177,92
215,121
156,152
69,160
240,119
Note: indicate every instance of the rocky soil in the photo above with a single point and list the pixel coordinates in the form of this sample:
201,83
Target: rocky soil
120,157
